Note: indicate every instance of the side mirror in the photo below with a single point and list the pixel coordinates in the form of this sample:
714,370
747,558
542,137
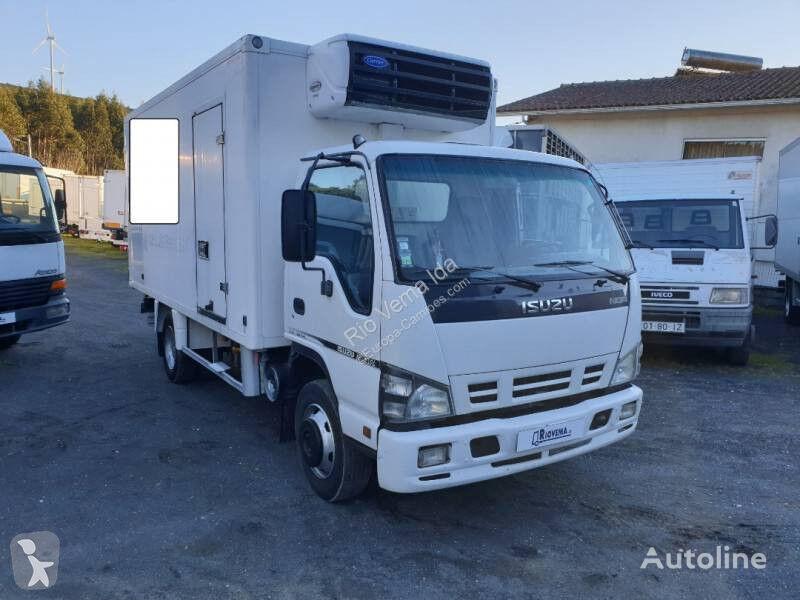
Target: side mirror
60,202
298,225
771,231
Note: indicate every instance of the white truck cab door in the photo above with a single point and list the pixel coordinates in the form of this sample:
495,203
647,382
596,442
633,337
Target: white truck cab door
343,328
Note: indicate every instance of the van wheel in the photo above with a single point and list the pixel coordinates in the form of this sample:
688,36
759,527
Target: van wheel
333,465
9,341
179,367
791,312
739,357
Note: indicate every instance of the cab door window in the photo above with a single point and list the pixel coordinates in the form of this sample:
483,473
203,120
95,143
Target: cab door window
344,230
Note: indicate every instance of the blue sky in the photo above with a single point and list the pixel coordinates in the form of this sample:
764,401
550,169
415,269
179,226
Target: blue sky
137,48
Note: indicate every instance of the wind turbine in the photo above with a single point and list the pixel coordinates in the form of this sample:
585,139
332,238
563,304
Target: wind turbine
60,73
51,39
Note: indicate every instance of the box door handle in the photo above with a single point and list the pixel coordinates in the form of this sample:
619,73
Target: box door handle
299,306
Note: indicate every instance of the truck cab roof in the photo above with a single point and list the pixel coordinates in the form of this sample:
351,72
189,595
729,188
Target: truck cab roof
374,149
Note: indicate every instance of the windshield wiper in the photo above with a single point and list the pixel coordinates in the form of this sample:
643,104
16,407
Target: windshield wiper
689,241
571,264
530,283
641,244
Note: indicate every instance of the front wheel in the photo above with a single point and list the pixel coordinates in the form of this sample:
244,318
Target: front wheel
179,367
739,357
333,465
791,312
9,340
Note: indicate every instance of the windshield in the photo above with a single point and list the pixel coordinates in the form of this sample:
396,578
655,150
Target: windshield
495,217
25,203
683,223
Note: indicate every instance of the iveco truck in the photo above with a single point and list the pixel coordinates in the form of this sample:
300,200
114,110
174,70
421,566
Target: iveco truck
330,228
688,222
32,281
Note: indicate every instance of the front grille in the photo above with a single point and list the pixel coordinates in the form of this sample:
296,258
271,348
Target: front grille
541,384
390,78
668,294
688,257
22,293
592,374
482,392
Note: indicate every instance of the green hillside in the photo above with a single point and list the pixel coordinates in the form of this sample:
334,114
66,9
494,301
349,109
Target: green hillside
84,135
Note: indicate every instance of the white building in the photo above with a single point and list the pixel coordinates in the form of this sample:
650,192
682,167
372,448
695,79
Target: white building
693,114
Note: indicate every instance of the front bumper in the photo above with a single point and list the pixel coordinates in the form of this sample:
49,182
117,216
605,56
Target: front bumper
398,451
36,318
718,327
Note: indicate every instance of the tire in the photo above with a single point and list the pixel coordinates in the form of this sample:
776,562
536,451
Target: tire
791,312
9,341
739,357
335,468
179,367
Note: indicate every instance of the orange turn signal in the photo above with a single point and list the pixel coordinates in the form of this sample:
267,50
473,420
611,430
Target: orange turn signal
59,285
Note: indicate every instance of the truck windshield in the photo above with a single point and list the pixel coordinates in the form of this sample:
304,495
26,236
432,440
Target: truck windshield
683,223
496,217
26,207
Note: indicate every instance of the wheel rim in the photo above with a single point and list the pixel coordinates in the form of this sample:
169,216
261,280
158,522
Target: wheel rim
317,444
170,353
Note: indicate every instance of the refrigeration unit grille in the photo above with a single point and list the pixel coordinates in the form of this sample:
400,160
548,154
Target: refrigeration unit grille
558,147
395,79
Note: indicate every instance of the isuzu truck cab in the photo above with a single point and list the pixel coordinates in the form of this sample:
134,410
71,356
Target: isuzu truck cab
416,300
32,280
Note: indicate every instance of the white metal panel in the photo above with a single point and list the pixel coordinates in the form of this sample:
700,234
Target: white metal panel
787,254
209,199
115,199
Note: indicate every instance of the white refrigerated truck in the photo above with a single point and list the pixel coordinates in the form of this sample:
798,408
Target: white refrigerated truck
446,310
688,222
32,280
787,251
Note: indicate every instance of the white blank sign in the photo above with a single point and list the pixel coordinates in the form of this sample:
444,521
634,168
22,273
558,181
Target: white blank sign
153,164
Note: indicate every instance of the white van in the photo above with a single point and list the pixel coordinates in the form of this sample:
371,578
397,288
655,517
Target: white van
306,225
32,280
687,221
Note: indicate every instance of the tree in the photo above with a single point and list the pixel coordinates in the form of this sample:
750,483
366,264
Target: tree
12,121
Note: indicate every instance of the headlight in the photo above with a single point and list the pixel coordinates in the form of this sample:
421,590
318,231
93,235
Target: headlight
627,366
729,296
408,397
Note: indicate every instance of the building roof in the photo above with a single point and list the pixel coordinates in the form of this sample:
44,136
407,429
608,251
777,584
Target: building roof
689,88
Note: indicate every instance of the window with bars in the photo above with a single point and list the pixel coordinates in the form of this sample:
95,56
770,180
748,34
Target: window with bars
722,148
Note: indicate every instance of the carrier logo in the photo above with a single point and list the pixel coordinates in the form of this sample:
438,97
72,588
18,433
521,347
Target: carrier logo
549,305
376,62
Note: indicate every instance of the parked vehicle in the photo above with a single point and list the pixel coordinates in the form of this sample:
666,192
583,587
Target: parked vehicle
115,206
85,212
687,222
32,280
453,312
787,252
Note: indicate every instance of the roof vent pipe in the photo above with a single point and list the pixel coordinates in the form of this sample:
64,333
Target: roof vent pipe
720,61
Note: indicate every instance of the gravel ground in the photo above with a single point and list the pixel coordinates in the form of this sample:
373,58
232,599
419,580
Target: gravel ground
164,491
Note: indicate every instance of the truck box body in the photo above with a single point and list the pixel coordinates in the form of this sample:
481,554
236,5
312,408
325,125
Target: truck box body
787,252
257,98
115,200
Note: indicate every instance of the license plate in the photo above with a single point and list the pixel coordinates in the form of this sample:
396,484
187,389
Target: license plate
664,326
6,318
548,435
